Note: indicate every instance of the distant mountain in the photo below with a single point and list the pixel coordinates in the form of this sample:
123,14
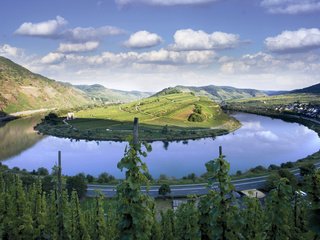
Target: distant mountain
217,93
312,89
100,93
22,90
273,93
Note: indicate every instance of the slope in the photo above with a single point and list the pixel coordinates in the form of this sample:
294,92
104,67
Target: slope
315,89
23,90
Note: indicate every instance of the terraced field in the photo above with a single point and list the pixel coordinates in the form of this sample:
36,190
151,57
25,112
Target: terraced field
161,118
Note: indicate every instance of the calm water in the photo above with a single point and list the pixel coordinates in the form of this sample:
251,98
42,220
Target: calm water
260,141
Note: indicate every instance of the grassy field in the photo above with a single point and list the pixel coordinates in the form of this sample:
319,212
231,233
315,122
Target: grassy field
161,118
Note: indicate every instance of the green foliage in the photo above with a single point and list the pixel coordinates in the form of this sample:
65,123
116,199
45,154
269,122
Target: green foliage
164,189
134,208
187,227
168,225
279,212
223,209
254,219
196,117
105,178
307,169
77,183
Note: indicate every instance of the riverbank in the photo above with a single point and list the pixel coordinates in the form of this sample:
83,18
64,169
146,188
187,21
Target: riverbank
13,116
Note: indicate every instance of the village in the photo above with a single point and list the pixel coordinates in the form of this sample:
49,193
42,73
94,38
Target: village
304,109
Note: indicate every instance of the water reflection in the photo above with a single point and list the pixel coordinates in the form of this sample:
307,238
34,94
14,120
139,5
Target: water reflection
260,141
17,136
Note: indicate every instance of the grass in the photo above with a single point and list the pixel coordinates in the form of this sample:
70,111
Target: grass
160,118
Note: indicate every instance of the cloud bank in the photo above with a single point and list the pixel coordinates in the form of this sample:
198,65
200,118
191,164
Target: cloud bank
294,41
188,39
78,47
56,29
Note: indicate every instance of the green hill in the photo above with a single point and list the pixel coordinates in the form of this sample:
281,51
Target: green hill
217,93
99,93
173,116
23,90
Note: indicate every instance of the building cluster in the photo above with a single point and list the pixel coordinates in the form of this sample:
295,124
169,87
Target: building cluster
304,109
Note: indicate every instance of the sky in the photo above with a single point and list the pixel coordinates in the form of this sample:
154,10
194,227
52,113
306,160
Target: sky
149,45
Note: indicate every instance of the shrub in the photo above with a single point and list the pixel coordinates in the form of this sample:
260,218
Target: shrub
195,117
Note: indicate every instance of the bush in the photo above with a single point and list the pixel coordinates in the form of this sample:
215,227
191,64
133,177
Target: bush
195,117
164,189
197,109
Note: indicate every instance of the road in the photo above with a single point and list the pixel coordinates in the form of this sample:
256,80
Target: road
189,189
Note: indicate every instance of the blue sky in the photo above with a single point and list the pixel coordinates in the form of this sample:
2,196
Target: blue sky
152,44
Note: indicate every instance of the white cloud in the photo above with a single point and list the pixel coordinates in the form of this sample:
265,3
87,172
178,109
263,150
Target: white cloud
291,6
78,47
143,39
267,135
188,39
48,28
9,51
90,33
158,57
55,29
164,2
53,58
164,56
294,41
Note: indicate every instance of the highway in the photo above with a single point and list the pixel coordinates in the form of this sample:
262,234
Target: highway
189,189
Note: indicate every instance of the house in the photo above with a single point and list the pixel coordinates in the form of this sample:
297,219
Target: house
70,116
253,193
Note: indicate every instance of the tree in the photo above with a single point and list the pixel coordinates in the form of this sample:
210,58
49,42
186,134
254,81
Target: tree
105,178
164,189
307,169
90,178
77,183
42,171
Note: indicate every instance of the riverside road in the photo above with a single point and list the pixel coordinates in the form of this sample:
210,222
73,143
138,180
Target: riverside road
189,189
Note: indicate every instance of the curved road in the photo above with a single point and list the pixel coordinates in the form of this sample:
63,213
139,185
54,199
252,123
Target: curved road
184,190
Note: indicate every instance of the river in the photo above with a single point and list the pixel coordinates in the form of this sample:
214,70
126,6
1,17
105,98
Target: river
260,141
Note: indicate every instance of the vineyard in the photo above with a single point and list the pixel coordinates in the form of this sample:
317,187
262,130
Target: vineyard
27,211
